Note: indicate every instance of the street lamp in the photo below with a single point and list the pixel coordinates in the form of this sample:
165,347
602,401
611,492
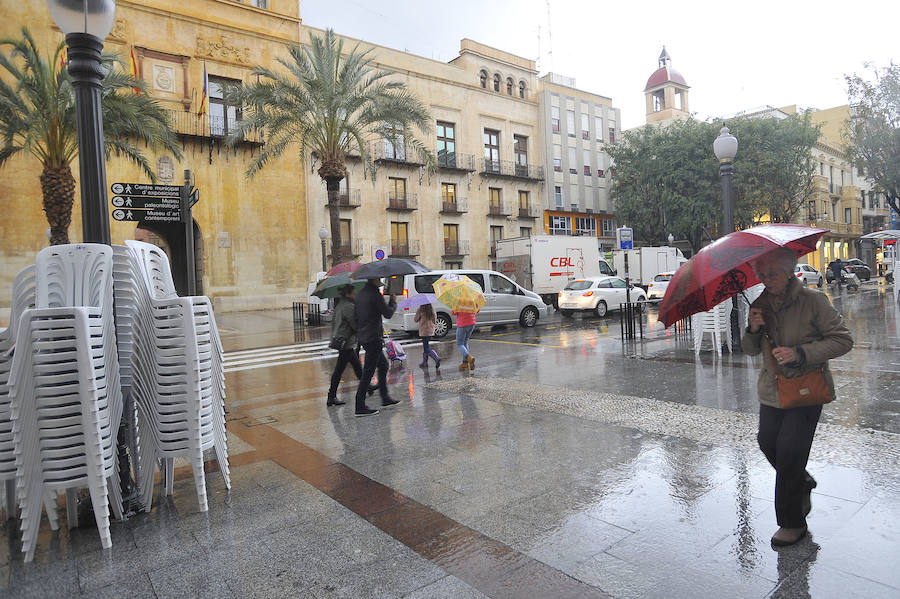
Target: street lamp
671,239
86,23
725,146
323,235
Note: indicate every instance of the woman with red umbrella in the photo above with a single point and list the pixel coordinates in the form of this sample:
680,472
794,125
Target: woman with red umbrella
797,330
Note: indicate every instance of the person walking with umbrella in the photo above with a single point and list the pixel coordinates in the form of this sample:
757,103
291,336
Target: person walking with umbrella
370,308
344,327
798,331
465,298
427,320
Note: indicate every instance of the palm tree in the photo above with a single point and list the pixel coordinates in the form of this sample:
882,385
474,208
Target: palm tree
37,116
331,103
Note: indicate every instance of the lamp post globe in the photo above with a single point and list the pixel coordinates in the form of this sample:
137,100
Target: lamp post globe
725,147
671,239
86,23
323,236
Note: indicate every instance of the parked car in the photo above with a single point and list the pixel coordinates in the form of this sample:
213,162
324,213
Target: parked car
657,287
598,294
859,268
505,301
809,275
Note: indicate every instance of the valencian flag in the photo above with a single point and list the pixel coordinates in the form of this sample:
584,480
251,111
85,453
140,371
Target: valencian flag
203,100
134,70
64,57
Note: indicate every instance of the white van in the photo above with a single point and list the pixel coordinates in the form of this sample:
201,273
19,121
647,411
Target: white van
505,301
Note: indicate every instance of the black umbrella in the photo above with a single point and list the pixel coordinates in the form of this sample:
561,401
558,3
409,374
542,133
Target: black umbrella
389,267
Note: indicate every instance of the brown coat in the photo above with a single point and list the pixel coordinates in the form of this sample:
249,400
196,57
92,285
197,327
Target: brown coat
806,321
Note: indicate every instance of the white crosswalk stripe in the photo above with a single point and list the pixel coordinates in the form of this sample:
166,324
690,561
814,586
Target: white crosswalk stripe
266,357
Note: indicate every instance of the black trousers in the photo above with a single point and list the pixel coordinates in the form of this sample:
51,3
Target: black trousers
785,437
345,356
374,359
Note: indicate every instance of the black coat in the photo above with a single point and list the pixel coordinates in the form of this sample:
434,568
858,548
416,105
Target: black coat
370,307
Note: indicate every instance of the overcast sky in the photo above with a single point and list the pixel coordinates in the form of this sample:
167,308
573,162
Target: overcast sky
734,55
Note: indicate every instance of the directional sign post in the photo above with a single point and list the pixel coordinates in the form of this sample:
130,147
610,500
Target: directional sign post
144,202
188,220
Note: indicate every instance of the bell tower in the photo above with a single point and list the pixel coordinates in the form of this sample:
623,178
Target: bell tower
666,92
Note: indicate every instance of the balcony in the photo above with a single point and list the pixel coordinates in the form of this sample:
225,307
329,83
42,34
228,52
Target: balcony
834,189
347,199
455,161
492,252
402,203
530,212
455,248
349,250
189,124
506,169
405,249
457,206
399,155
499,209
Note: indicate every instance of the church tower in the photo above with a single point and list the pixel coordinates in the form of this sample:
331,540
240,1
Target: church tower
666,92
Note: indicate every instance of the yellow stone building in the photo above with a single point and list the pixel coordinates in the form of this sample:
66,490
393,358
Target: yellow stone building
251,234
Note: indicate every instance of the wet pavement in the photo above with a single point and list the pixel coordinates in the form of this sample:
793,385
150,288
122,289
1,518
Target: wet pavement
568,464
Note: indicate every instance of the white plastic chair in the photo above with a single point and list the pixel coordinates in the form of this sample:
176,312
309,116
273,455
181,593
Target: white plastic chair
717,323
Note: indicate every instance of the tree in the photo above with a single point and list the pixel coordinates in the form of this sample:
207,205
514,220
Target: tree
37,116
873,134
331,104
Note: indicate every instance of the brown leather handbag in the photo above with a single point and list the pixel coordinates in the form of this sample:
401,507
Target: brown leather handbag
810,389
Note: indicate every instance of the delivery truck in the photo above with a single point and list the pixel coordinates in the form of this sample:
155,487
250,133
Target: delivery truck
545,264
647,262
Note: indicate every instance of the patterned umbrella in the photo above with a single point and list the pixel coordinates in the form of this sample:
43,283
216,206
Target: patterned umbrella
330,286
459,293
343,267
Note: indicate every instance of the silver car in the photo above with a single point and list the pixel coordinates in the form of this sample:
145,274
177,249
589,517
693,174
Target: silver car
599,295
809,275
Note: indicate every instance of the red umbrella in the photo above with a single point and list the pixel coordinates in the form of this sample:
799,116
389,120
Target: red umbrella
722,269
343,267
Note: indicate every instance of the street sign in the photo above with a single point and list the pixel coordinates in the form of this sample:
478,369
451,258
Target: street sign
195,197
149,203
625,238
158,216
145,189
380,252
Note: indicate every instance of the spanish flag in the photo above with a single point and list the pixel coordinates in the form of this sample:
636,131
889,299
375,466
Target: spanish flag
203,100
134,70
64,57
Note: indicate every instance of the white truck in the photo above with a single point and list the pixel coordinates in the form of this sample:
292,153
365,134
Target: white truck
647,262
545,264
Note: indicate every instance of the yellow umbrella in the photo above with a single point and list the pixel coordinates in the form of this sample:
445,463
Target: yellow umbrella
459,293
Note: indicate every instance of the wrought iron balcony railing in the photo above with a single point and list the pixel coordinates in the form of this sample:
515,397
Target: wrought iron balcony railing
512,170
189,124
405,249
349,249
529,212
456,248
456,161
397,153
457,206
403,202
499,209
347,199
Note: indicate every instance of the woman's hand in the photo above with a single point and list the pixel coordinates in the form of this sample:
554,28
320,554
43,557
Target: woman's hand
755,320
785,355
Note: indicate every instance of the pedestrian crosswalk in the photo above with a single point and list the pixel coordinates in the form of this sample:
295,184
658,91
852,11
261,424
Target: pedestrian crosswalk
267,357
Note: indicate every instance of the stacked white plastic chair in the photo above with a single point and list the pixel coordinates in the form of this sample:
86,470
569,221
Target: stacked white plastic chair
178,381
64,385
23,297
716,322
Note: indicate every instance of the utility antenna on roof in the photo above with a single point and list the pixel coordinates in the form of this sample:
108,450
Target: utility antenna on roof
549,38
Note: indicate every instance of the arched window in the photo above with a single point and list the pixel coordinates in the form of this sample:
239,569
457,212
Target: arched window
522,89
509,86
496,82
483,76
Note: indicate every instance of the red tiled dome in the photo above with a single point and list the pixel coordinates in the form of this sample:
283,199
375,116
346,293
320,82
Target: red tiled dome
664,75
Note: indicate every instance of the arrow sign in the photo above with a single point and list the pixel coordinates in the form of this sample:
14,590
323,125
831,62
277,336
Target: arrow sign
145,203
158,216
194,198
146,190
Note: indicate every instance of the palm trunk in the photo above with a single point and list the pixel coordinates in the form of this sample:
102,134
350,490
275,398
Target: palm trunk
333,185
58,191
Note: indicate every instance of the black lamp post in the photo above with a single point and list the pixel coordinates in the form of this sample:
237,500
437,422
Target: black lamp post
323,235
86,23
725,146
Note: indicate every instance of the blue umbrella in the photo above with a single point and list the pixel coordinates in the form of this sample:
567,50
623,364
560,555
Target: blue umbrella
417,300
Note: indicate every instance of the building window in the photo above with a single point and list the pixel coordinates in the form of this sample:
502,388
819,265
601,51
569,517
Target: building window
494,198
345,232
598,128
446,144
585,126
448,194
260,3
523,203
509,86
821,169
599,164
557,165
572,167
400,238
524,231
570,123
560,225
492,151
554,118
496,232
812,210
612,135
451,240
223,118
520,149
449,265
587,162
496,82
608,227
522,89
848,216
586,226
558,196
394,142
483,78
397,190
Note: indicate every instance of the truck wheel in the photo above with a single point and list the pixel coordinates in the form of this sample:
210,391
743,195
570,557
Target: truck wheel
600,309
567,313
442,325
529,317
